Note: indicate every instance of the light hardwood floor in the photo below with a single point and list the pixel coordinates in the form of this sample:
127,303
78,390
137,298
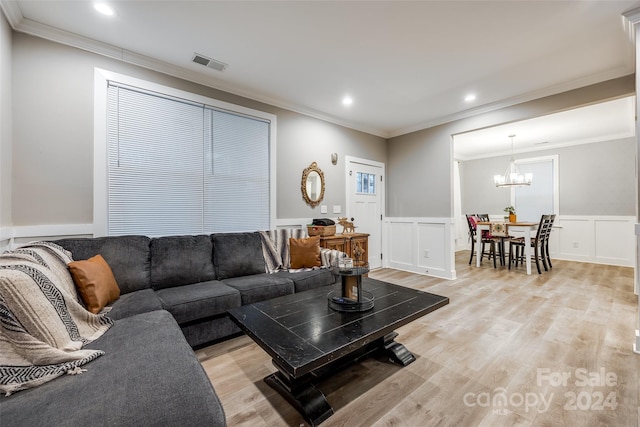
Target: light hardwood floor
509,350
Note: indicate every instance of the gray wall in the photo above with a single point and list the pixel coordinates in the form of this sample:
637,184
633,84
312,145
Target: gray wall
479,193
598,179
5,122
53,141
419,170
302,140
53,136
594,179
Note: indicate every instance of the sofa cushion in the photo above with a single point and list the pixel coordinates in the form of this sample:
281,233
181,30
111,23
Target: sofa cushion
128,257
181,260
237,254
305,252
95,282
137,302
311,279
148,376
199,301
261,287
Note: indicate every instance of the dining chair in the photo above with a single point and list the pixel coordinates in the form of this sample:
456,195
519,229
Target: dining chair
539,244
498,233
546,241
472,221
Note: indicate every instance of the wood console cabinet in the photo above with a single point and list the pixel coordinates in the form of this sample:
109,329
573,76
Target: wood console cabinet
347,243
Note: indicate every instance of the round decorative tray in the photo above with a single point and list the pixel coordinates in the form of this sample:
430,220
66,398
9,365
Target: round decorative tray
337,302
351,271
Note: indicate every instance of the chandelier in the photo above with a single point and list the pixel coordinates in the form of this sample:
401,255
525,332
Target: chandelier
512,176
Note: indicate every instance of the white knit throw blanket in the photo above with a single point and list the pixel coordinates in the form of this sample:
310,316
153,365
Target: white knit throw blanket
43,324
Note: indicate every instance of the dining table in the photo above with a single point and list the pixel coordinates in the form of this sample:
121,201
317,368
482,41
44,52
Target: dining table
526,227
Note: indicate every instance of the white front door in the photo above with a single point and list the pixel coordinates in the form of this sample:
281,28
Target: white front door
365,202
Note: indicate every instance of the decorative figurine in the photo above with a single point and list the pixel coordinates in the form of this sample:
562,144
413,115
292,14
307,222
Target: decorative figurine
347,226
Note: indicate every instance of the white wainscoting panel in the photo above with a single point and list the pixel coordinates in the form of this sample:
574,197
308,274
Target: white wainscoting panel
608,245
401,244
421,245
13,237
596,239
636,285
574,237
293,223
6,237
430,239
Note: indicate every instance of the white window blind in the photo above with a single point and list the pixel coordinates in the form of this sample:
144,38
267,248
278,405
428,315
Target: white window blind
237,177
176,167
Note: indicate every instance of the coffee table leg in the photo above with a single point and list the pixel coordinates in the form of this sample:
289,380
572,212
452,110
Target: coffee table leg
302,395
397,352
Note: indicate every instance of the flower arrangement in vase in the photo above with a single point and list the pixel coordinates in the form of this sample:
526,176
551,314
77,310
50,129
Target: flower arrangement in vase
512,213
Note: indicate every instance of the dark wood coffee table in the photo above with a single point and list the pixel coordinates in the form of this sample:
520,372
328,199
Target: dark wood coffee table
308,341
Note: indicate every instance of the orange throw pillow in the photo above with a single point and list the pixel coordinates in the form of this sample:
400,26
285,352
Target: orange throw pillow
305,253
95,282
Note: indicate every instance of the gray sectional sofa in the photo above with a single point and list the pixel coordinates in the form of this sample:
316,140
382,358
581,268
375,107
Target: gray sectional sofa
175,292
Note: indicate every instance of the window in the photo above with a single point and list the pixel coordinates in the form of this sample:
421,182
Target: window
236,173
365,183
541,197
176,165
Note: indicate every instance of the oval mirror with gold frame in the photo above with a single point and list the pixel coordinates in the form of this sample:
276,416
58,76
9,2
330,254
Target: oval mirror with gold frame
312,185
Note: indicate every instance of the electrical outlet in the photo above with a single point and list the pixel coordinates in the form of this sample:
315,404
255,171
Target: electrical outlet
575,244
337,209
426,254
323,209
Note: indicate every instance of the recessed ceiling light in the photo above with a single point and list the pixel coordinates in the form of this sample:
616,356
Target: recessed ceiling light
104,9
470,97
347,100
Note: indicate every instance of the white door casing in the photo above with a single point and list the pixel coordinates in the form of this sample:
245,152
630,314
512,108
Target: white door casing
367,205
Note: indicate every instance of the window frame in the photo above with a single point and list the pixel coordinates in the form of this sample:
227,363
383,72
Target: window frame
555,172
100,169
371,177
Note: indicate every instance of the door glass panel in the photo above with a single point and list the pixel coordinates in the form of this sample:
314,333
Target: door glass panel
365,183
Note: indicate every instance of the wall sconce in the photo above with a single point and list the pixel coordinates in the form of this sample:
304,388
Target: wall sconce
334,158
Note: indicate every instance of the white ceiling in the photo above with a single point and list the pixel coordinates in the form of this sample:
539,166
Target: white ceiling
407,65
595,123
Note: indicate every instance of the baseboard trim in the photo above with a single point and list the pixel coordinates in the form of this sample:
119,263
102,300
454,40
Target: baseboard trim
425,271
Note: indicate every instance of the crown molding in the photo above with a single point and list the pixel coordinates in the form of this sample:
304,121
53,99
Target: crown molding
27,26
19,23
633,15
520,99
547,147
212,82
12,12
37,29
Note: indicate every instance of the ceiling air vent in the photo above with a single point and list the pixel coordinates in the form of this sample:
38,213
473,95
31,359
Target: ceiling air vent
208,62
